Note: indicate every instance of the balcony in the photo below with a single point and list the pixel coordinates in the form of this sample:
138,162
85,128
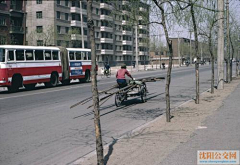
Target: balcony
143,44
127,52
125,32
78,23
143,36
106,40
142,9
125,42
142,53
16,29
106,51
124,2
77,10
78,37
106,17
16,8
106,6
143,27
106,29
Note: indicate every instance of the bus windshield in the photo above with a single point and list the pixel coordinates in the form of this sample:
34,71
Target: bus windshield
2,55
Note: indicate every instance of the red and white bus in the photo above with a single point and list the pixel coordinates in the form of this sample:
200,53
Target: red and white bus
28,65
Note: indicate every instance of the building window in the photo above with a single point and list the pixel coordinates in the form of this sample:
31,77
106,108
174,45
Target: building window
39,29
97,11
2,40
58,2
66,30
2,21
66,16
84,19
85,31
58,30
39,14
66,2
58,15
58,42
39,1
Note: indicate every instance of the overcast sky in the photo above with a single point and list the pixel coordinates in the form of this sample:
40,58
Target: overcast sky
154,29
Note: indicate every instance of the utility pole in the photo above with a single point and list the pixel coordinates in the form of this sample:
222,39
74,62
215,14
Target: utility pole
190,46
136,48
201,52
228,45
220,84
82,32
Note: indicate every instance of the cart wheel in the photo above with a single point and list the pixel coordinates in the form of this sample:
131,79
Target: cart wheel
143,94
118,99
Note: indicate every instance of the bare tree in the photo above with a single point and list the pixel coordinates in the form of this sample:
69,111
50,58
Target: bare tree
95,95
163,23
47,36
207,30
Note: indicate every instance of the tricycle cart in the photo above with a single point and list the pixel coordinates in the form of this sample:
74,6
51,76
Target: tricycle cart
134,89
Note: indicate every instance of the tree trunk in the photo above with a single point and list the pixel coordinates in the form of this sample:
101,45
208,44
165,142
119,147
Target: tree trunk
228,45
168,80
95,96
212,79
220,45
196,53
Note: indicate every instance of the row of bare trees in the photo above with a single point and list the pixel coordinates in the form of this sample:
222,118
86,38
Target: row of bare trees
199,15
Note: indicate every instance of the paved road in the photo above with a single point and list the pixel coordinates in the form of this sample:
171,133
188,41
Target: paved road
37,127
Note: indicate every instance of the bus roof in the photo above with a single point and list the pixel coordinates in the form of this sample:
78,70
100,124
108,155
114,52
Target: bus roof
78,49
28,47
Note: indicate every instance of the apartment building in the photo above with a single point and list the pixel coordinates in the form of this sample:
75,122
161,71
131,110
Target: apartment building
64,23
12,22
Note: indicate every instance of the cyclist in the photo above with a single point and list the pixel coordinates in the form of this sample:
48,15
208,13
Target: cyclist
121,80
106,68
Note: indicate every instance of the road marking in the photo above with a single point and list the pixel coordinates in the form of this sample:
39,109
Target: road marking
30,94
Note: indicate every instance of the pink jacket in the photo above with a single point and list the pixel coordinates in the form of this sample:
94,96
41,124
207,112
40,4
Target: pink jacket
121,74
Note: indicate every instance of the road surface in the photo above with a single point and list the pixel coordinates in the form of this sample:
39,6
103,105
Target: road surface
38,127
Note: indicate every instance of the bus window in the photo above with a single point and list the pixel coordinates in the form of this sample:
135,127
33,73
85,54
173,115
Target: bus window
89,55
71,55
20,55
47,55
10,55
55,55
84,55
2,55
78,56
29,55
38,54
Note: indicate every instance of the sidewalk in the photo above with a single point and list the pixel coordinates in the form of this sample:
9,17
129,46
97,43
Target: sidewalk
211,125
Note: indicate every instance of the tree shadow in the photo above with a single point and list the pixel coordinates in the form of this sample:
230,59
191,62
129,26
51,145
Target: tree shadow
110,151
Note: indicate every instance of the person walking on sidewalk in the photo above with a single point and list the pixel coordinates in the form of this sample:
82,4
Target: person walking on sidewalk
121,80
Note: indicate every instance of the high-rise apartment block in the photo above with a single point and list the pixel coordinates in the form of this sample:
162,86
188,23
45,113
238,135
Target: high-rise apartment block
12,22
64,23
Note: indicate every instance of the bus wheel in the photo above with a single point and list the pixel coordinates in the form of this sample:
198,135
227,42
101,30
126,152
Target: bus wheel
16,83
86,78
53,81
30,86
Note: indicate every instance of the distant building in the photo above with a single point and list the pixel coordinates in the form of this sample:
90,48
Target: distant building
12,22
64,23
